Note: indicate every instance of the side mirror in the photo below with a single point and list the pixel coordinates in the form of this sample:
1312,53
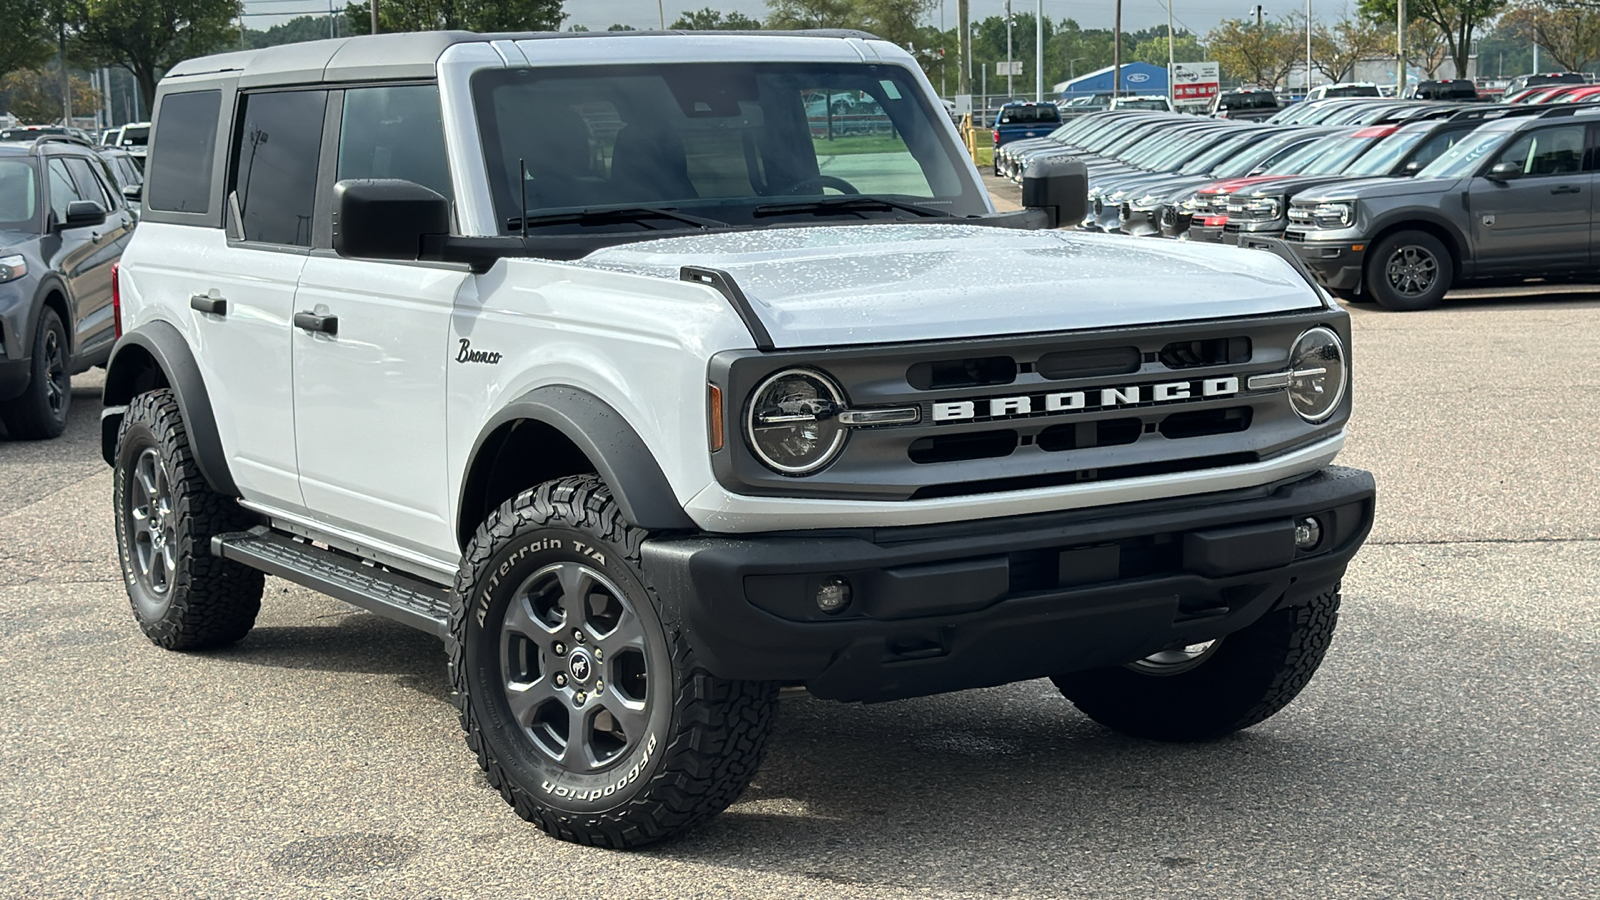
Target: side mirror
386,218
1504,172
83,214
1411,168
133,193
1059,187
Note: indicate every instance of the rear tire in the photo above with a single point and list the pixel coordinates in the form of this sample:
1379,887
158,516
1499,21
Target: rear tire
1208,691
40,412
1408,271
183,597
584,705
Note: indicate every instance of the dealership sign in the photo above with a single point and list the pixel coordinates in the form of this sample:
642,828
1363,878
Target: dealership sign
1194,82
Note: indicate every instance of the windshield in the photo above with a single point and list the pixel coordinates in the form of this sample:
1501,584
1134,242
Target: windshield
1209,159
1464,157
1241,163
18,196
719,140
1296,162
1338,155
1044,113
1351,90
1382,159
1141,103
134,136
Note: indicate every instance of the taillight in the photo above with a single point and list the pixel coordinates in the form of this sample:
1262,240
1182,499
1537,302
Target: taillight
997,137
116,297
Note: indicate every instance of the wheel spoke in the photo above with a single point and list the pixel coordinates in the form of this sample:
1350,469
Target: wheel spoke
520,620
631,717
146,476
629,633
576,585
524,699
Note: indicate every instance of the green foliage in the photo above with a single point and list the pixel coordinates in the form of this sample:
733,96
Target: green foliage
449,15
147,37
1569,34
28,38
1336,51
1153,50
1260,55
34,95
709,19
895,21
1454,21
294,31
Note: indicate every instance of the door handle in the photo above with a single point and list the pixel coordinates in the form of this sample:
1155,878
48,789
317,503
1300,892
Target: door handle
1565,189
315,323
208,303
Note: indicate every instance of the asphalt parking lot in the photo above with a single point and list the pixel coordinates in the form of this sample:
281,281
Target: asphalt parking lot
1449,747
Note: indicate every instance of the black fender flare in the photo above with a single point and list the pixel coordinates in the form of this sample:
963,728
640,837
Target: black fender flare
165,345
50,283
618,453
1462,243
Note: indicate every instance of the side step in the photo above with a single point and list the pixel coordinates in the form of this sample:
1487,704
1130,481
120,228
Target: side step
400,597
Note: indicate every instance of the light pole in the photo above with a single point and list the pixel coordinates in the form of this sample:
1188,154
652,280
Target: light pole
1009,22
1172,94
1038,51
1308,48
1116,54
1072,67
1400,49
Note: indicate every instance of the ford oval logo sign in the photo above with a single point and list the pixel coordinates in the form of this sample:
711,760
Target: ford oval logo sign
1138,77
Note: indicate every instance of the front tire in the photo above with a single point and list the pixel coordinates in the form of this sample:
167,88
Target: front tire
183,597
585,706
41,410
1206,691
1409,270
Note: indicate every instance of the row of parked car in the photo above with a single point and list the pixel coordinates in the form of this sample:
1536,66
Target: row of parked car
67,210
1382,200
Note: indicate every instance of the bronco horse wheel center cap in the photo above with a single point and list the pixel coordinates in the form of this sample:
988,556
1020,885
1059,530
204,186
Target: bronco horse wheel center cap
580,666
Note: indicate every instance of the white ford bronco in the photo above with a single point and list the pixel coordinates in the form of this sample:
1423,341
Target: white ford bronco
653,380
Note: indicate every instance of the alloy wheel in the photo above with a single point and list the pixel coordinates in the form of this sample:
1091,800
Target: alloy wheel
1412,270
153,523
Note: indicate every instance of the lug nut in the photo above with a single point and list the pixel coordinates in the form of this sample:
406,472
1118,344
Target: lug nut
559,649
597,653
577,635
561,680
580,698
599,686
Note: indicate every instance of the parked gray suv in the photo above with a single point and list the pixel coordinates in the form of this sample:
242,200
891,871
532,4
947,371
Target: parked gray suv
1510,201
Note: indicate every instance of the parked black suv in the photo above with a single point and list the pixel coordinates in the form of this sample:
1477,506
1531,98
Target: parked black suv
1512,200
62,229
1463,90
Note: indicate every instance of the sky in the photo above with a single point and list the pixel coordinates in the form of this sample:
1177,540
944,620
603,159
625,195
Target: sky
1198,16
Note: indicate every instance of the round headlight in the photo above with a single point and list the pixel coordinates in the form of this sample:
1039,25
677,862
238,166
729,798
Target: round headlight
1318,374
792,422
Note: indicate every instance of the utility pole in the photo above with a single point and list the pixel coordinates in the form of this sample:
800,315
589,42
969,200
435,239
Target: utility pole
1400,49
661,10
1172,91
66,84
374,16
1010,91
1038,51
1308,48
1116,54
964,38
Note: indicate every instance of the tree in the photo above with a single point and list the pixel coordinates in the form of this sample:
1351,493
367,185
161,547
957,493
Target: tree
1152,49
28,39
1455,20
1336,51
147,37
1569,33
34,95
896,21
786,15
1426,48
449,15
709,19
1256,54
294,31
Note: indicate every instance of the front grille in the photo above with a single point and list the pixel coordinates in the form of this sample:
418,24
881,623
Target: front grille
1297,237
999,414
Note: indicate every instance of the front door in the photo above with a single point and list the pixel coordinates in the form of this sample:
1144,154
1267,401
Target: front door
369,367
1538,220
96,330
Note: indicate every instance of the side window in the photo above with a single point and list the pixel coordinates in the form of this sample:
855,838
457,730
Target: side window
90,183
1546,151
62,189
394,132
275,165
180,162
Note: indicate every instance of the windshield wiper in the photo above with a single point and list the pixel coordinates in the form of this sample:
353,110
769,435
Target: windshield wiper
636,214
845,204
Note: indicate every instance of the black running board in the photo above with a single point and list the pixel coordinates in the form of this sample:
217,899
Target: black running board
399,597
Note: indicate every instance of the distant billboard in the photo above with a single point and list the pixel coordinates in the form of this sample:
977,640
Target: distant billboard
1195,82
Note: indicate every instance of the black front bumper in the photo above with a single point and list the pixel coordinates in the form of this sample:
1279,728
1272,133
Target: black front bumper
975,604
1336,264
14,376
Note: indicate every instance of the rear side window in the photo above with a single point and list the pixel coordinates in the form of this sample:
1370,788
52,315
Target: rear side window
181,161
63,190
91,186
275,165
394,132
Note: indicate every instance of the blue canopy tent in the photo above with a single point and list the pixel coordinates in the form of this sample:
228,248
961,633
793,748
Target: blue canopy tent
1137,78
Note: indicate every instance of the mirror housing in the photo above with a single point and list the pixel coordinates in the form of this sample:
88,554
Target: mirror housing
1504,172
1411,168
386,218
83,214
1059,187
133,193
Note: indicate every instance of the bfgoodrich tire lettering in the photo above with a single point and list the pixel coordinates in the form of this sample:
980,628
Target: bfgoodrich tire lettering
549,602
166,514
1240,681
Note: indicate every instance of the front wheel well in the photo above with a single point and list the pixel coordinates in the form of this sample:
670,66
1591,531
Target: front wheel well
132,372
1444,235
518,455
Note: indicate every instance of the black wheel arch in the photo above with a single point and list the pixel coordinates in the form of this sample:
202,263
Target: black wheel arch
1438,226
573,432
157,355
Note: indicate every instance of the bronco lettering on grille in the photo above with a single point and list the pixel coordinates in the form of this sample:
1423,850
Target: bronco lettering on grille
1017,406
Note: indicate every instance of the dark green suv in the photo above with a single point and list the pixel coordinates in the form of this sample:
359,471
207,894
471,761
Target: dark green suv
1513,200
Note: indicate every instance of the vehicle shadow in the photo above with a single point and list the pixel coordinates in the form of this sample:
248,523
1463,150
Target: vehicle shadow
353,642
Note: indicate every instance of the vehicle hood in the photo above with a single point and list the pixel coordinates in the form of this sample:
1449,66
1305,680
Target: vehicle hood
10,239
856,284
1292,185
1373,188
1236,184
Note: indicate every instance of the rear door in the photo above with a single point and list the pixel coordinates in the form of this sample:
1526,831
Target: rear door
1538,221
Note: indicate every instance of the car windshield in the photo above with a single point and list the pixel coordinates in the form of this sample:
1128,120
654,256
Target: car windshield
718,140
134,136
18,196
1464,157
1143,103
1242,163
1208,160
1382,159
1351,90
1045,113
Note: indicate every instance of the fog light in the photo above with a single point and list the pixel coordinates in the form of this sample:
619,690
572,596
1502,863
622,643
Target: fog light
834,594
1307,535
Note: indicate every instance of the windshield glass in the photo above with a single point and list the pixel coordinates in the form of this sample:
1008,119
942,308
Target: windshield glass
134,136
18,196
1382,159
718,139
1208,159
1464,157
1043,113
1337,156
